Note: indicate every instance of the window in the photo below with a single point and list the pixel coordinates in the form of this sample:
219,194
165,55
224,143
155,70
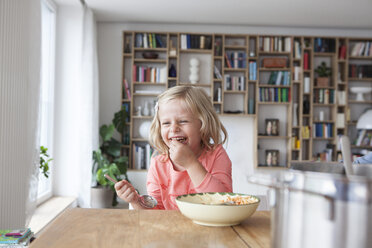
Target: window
48,20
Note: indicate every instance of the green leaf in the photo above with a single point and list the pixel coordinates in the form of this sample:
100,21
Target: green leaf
106,132
112,147
119,120
44,161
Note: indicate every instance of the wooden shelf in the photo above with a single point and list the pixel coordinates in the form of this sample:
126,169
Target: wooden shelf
272,137
195,51
253,88
150,61
359,102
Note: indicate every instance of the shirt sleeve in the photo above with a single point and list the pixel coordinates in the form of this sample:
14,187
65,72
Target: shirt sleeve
153,184
366,159
218,177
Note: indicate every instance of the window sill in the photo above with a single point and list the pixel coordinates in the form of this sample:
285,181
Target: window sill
48,211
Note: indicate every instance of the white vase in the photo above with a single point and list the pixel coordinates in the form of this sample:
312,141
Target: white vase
144,129
194,71
146,109
294,116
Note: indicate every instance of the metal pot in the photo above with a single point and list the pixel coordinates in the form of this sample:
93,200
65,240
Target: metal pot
319,209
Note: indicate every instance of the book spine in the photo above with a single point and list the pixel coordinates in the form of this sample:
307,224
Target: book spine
127,90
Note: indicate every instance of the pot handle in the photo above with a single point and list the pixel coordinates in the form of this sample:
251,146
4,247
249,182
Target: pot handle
284,186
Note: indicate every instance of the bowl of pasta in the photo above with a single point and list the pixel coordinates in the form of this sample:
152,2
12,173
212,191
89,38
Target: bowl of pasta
217,208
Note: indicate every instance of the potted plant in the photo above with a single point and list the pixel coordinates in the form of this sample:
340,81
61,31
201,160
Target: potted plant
324,72
108,160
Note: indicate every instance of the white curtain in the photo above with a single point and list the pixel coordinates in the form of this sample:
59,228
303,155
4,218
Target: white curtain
20,30
88,124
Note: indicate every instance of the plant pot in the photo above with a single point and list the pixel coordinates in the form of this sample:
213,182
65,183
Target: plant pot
101,197
322,82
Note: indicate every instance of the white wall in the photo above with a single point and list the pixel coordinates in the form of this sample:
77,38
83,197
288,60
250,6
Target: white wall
241,129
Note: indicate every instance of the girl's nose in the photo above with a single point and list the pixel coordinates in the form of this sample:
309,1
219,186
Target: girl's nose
175,127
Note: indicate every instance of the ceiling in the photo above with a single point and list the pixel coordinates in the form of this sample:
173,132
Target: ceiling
288,13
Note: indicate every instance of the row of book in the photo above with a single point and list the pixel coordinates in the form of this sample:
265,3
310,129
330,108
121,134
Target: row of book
360,71
279,78
192,41
323,130
342,52
297,49
324,96
305,130
340,120
141,156
341,97
15,238
297,73
235,60
306,61
324,45
126,90
274,94
149,74
234,82
252,70
150,40
295,142
275,44
361,49
364,138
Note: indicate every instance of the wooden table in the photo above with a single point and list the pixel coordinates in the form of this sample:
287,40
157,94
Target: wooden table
100,228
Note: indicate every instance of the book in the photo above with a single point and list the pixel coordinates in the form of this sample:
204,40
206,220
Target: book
9,236
127,89
227,65
217,72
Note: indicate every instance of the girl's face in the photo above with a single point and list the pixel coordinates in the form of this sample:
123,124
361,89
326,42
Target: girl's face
178,124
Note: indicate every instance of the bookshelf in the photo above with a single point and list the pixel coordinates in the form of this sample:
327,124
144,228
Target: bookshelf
271,78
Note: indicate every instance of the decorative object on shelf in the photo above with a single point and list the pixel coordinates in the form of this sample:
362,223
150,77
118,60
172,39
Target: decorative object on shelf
146,109
324,72
272,157
150,55
127,45
194,70
172,71
307,85
152,108
251,106
365,120
172,50
295,118
272,127
144,129
321,115
359,91
306,109
139,111
217,48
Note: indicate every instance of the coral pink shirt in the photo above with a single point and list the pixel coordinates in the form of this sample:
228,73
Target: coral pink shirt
165,184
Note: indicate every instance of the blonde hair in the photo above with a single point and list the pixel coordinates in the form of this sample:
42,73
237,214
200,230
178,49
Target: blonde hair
199,103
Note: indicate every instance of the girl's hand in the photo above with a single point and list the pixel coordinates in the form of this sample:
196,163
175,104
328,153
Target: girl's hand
182,155
126,192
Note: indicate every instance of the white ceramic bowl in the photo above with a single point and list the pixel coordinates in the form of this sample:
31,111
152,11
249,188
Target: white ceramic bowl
359,91
206,208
